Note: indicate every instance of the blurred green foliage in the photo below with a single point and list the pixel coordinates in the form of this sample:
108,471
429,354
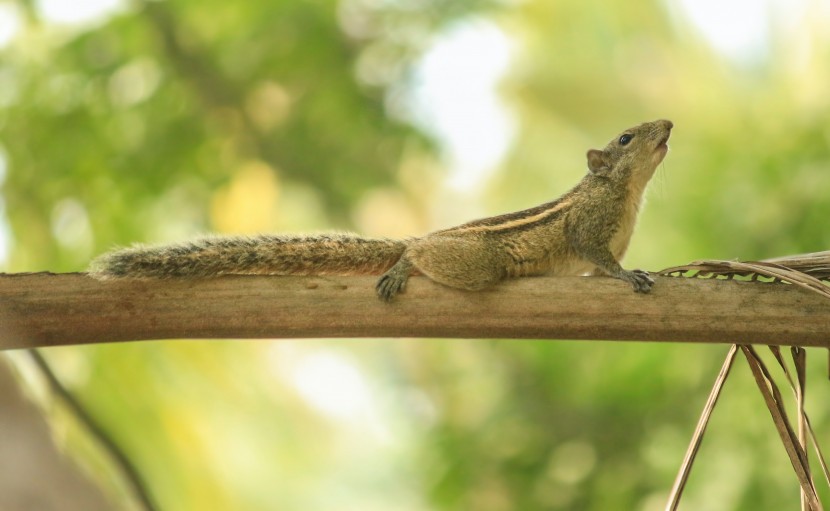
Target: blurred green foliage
164,119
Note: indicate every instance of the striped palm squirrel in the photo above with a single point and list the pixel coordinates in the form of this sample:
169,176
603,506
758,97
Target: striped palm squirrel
586,230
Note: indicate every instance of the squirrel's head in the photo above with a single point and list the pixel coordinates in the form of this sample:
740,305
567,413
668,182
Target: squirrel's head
634,153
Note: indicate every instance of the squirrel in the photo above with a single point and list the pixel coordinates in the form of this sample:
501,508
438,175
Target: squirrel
585,231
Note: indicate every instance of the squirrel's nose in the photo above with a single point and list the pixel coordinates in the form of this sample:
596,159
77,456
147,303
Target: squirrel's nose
669,125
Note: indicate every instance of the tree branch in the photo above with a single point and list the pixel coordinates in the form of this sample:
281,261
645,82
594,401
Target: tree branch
43,309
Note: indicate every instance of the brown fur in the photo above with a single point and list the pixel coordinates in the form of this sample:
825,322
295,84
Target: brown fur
324,254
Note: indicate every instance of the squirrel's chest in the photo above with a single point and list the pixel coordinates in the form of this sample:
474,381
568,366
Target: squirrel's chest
625,228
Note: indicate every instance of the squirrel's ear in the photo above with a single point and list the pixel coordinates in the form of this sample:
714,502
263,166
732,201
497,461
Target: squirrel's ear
596,161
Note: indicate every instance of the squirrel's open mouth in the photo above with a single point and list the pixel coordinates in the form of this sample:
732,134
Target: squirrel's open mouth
663,141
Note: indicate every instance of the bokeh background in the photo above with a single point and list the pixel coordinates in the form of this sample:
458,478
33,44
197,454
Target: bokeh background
124,121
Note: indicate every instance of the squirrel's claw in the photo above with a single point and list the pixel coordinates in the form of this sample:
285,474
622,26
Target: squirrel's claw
394,281
389,285
640,280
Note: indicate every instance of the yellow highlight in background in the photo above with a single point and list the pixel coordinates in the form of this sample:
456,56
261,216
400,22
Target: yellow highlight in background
247,204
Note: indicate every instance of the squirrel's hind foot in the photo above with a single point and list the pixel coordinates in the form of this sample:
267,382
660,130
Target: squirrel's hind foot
394,281
388,286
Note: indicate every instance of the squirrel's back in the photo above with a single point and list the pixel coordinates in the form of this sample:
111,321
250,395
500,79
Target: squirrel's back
324,254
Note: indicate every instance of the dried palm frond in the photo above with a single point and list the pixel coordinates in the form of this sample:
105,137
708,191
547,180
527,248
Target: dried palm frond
808,271
795,449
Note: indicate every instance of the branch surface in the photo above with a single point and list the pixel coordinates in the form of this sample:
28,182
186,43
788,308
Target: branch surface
44,309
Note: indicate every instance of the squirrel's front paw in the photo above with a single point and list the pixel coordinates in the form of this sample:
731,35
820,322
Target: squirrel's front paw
640,280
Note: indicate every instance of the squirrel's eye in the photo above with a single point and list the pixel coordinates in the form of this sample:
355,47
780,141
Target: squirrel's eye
625,139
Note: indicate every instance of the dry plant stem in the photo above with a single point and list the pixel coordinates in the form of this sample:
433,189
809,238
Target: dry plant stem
776,351
775,404
816,264
800,362
697,438
39,310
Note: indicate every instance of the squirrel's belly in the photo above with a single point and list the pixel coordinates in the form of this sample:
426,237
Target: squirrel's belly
570,266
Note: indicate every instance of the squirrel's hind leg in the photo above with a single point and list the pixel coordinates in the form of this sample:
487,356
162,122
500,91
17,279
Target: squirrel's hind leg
454,262
457,262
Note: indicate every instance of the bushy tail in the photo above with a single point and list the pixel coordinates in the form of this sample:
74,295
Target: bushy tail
326,254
